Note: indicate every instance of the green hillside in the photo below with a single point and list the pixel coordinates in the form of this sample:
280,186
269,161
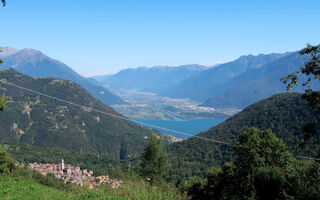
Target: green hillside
19,188
285,114
41,121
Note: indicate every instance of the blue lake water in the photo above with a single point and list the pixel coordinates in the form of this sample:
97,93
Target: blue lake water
193,126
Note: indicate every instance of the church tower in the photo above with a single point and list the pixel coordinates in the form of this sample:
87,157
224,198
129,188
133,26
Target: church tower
62,164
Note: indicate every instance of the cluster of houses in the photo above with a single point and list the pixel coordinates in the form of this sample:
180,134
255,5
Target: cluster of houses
174,139
76,175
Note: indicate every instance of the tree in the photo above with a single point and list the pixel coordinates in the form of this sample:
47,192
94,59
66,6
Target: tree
256,149
154,163
311,70
269,183
3,163
2,99
3,2
261,160
0,58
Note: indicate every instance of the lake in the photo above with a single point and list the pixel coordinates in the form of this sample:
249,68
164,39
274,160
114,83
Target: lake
193,126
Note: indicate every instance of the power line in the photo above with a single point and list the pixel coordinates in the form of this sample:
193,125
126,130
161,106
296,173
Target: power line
147,124
116,116
305,157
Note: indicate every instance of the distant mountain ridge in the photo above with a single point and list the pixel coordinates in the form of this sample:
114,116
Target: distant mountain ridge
35,63
234,84
221,86
260,83
40,121
152,79
211,82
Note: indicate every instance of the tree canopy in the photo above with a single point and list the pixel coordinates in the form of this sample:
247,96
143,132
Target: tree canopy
154,161
263,169
311,70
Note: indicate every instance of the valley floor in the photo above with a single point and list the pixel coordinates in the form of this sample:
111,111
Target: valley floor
145,105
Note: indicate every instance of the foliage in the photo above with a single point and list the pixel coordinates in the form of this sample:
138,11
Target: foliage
255,149
305,182
3,163
263,169
3,103
3,2
269,183
311,70
154,161
285,114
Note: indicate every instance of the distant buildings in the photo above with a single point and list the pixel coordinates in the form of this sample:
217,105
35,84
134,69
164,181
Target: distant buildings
173,139
72,174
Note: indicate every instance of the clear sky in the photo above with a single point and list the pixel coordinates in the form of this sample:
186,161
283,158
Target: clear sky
105,36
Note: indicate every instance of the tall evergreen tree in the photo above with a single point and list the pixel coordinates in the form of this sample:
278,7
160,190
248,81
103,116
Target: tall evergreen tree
154,163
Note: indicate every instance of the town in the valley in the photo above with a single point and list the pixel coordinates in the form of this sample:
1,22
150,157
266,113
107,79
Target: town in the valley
72,174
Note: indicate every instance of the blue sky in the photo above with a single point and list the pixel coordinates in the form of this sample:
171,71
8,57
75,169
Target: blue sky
105,36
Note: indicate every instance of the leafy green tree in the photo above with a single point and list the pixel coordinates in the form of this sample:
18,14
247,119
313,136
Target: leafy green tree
305,182
257,149
154,163
3,2
270,183
311,70
261,160
3,163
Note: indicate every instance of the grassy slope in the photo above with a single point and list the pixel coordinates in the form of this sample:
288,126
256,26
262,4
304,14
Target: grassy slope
18,188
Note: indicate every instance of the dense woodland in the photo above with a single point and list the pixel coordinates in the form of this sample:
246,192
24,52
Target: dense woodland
284,114
41,121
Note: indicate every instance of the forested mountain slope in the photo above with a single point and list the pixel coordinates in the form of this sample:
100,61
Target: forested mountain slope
41,121
285,114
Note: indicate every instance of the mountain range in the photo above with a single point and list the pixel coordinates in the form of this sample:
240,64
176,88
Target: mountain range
212,81
234,84
260,83
154,79
34,63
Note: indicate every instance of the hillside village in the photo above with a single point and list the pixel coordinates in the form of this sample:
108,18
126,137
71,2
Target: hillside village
72,174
